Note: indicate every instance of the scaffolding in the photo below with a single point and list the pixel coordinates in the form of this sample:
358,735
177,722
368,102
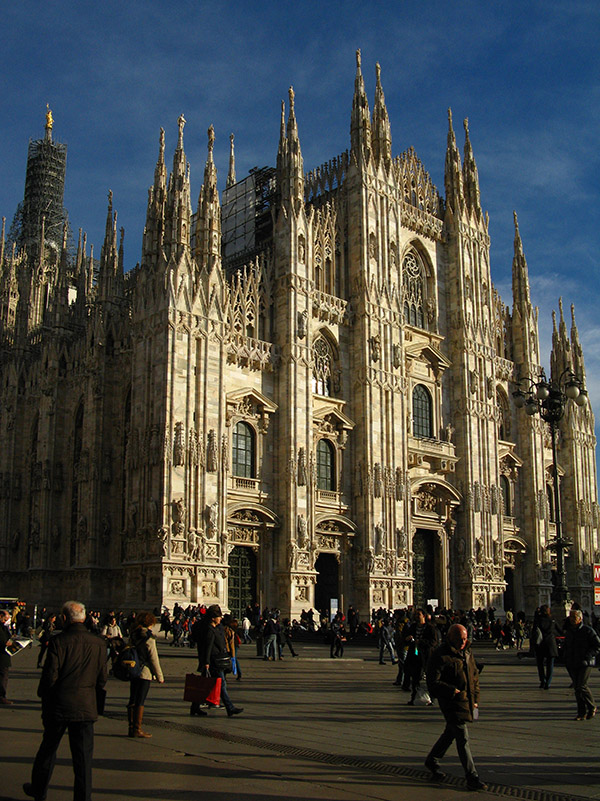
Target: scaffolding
44,194
246,222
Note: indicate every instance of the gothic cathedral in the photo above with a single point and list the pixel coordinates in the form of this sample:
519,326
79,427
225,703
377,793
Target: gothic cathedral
301,396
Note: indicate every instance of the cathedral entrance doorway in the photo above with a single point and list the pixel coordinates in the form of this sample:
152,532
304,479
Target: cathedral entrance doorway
327,586
509,592
242,580
424,567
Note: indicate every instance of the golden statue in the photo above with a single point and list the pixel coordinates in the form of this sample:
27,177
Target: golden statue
49,120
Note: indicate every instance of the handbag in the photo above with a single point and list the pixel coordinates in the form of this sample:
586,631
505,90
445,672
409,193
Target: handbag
202,688
223,663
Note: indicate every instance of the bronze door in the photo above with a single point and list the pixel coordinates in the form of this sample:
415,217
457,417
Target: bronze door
242,580
423,567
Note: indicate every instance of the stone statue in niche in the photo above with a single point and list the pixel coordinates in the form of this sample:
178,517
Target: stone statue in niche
302,532
379,539
401,540
34,534
302,475
179,446
375,343
213,519
478,550
301,326
212,456
178,512
106,531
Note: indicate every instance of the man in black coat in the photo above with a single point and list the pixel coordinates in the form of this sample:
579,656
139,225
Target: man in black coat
5,657
74,673
581,646
453,678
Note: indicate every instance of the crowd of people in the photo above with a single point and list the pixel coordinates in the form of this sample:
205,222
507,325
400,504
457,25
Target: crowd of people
432,652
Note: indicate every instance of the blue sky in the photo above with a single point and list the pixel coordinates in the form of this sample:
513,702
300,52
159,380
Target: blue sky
526,74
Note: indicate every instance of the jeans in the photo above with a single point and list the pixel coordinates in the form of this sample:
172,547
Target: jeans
459,732
545,666
270,645
81,741
382,647
225,699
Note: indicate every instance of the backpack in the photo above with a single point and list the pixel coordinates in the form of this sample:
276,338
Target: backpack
127,664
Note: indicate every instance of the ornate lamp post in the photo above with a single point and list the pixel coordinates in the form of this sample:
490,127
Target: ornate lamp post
548,399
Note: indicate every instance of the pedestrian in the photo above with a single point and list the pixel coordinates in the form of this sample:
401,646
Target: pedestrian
544,634
5,657
386,640
453,678
246,630
144,642
232,639
270,633
214,656
581,646
48,630
286,636
73,676
420,638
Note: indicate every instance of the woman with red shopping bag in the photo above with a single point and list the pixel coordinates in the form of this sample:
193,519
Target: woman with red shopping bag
214,659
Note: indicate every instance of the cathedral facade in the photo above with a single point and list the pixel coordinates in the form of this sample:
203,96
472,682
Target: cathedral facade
301,400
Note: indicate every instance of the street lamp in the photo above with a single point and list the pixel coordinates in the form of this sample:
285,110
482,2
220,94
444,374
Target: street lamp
548,399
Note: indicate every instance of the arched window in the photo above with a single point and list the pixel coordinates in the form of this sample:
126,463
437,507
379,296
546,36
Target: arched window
421,409
325,466
504,416
505,488
322,367
243,451
415,290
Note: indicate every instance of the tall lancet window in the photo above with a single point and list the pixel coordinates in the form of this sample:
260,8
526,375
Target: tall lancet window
415,290
421,409
322,367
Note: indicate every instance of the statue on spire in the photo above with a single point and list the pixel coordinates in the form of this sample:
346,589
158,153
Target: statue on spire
49,122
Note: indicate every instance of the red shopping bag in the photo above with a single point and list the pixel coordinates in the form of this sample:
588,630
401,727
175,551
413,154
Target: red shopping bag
202,688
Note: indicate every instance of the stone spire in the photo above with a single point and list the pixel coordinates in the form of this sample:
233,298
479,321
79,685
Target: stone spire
109,255
178,207
470,176
231,180
208,227
577,350
155,214
560,356
524,315
360,124
520,274
290,166
382,132
453,180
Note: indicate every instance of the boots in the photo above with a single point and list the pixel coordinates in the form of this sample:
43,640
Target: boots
130,709
138,715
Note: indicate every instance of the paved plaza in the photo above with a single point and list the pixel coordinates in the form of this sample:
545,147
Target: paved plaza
317,728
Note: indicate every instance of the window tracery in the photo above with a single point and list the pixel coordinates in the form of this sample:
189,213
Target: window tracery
323,362
414,284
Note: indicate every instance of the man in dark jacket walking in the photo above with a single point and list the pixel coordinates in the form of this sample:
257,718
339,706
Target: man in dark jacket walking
453,678
74,673
581,646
